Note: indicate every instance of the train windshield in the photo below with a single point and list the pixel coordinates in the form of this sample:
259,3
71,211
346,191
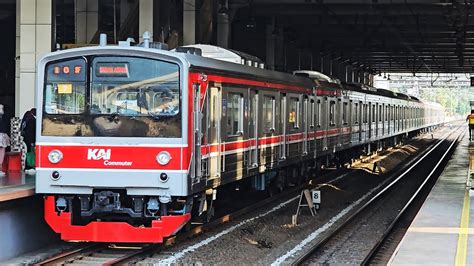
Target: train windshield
112,96
134,86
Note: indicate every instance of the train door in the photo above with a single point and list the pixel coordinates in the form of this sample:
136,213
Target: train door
325,117
312,126
198,134
283,118
319,129
362,118
253,129
370,121
306,119
295,129
373,125
379,119
215,164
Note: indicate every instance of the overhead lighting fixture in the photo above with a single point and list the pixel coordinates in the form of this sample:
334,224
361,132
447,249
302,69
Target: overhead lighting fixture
251,23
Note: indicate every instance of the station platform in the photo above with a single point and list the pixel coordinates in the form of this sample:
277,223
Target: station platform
23,228
16,185
443,230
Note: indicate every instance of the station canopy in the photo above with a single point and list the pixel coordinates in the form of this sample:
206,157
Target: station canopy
380,35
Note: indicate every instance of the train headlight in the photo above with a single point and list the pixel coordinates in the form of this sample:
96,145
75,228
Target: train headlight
163,158
55,156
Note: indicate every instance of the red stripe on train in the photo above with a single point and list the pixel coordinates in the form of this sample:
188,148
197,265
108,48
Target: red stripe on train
111,157
243,144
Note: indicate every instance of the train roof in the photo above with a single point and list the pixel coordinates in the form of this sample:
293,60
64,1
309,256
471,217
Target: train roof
315,75
352,86
219,53
432,104
195,62
217,66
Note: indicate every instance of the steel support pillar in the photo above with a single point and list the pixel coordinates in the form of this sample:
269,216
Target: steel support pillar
223,26
280,50
270,46
189,22
145,20
87,20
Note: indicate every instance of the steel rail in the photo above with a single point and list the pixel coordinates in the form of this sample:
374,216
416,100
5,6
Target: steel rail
197,230
146,249
307,254
402,212
141,252
70,254
326,177
232,216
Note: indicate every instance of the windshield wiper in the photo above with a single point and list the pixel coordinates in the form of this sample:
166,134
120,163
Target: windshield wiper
113,117
154,115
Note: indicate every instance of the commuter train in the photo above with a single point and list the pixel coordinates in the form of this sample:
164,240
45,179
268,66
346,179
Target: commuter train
133,142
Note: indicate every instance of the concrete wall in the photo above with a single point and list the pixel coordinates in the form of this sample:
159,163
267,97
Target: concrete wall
23,228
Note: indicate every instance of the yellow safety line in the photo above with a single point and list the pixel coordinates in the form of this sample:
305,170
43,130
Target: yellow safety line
461,252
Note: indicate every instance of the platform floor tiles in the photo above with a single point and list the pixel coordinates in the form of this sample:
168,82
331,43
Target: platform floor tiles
16,185
443,230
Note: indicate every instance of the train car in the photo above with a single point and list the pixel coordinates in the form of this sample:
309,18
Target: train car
134,142
364,118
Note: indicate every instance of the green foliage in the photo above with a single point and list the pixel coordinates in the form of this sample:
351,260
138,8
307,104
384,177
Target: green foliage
455,101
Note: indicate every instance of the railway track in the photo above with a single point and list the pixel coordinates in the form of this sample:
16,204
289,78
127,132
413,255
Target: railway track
380,254
107,254
110,254
94,254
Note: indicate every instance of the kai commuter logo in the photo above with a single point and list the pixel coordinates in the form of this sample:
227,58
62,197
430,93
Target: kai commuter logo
98,154
105,154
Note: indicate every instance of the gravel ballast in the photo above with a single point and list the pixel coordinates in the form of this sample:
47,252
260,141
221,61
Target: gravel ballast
263,240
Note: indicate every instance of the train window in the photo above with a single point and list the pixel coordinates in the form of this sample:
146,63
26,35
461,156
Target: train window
387,108
318,118
355,114
365,114
332,113
213,111
373,113
125,97
132,86
65,98
344,113
65,92
312,114
235,114
380,112
268,113
294,113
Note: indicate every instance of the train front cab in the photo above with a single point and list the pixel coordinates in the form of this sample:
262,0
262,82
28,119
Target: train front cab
112,146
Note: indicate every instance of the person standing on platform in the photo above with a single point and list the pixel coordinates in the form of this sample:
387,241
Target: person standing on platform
470,119
28,128
28,131
4,139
